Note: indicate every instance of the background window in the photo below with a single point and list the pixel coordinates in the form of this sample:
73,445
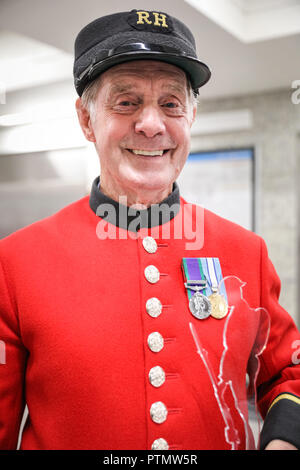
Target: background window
223,182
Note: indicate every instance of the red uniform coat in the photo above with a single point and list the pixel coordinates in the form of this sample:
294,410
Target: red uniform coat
75,328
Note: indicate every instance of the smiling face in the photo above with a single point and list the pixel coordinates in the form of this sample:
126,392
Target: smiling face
140,124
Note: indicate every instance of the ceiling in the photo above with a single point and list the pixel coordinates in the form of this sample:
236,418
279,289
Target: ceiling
250,46
253,21
250,6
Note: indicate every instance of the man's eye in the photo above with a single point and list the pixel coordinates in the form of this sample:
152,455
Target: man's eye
170,105
126,103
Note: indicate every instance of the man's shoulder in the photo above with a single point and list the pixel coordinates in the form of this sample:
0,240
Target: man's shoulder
59,222
228,227
219,228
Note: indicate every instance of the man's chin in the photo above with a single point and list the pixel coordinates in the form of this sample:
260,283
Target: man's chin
153,184
152,188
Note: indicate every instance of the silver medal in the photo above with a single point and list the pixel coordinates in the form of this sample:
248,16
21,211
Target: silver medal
200,306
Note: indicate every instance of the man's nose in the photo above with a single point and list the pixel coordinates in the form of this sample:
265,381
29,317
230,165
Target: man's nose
150,121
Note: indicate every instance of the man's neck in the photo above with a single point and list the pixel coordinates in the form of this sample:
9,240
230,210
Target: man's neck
119,213
138,199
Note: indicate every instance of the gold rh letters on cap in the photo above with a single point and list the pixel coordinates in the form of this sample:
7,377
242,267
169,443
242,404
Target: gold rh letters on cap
160,18
142,17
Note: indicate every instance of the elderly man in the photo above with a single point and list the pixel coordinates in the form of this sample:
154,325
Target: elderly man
130,319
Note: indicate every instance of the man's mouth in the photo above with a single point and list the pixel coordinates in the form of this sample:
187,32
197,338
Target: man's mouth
149,153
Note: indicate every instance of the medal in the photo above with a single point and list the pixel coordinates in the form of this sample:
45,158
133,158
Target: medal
219,307
204,274
218,302
200,306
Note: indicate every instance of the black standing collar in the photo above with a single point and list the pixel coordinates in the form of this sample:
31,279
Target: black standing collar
132,219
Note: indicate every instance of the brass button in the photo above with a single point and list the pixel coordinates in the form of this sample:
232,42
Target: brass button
153,307
150,244
155,341
158,412
152,274
157,376
160,444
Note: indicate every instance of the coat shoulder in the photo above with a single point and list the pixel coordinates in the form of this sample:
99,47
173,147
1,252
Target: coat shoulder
224,232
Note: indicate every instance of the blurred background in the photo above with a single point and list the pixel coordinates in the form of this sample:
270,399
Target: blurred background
245,154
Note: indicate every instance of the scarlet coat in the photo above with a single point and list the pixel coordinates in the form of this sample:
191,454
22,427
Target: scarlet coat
75,327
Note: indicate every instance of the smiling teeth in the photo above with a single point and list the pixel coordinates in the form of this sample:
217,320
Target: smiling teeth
147,152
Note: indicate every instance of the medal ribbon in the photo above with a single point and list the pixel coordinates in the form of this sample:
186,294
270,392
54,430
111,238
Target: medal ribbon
203,269
192,270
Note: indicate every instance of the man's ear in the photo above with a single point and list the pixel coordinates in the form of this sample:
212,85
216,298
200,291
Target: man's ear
85,121
194,114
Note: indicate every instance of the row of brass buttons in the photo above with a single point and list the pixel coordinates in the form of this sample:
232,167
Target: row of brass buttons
157,376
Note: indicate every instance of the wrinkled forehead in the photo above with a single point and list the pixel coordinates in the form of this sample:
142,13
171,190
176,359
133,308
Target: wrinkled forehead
144,70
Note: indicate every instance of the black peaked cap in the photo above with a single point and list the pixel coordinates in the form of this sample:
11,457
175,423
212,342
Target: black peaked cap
138,34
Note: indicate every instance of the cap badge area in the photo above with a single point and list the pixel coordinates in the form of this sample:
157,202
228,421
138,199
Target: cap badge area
151,21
